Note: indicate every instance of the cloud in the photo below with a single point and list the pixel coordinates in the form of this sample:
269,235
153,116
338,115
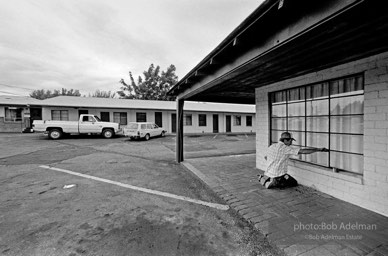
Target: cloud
91,44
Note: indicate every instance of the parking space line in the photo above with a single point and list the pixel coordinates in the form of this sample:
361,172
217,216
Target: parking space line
145,190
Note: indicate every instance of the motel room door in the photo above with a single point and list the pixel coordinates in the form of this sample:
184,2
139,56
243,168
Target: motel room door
228,123
158,119
215,123
173,123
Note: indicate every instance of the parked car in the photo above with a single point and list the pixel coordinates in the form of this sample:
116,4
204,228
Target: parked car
87,124
146,130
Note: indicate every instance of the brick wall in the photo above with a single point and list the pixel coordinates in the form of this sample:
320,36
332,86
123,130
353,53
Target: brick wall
370,190
11,126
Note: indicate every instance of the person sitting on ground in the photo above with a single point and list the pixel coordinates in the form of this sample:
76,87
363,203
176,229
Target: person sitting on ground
277,162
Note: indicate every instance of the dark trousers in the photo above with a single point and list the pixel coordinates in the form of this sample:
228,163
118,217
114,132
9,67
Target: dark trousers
284,181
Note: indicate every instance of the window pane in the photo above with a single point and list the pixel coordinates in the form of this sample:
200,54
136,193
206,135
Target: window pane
348,162
55,115
187,120
237,120
116,117
296,94
347,124
318,124
317,91
64,115
318,107
347,105
299,138
279,124
249,121
275,136
279,97
279,110
123,118
347,86
296,123
348,143
141,117
321,158
317,140
202,120
296,109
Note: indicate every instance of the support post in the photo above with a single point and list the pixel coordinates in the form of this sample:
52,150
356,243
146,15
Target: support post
179,134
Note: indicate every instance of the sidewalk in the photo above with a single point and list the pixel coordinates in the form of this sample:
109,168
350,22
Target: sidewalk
301,220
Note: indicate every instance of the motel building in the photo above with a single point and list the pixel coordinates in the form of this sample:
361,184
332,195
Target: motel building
18,113
318,69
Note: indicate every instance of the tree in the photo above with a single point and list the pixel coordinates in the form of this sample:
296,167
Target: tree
43,94
102,94
154,86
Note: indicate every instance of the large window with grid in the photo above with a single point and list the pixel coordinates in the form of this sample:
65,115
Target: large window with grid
60,115
328,114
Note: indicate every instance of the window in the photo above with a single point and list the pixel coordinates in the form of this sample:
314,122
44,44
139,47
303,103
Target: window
105,116
120,118
187,120
202,120
141,117
60,115
328,114
237,120
249,120
13,114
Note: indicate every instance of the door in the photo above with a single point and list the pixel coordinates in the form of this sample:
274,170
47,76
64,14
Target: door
228,123
173,123
158,119
35,114
88,124
215,123
105,117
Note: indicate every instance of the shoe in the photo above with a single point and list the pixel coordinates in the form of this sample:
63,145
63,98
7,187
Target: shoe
270,184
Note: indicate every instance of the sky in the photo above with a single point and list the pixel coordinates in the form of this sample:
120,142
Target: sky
89,45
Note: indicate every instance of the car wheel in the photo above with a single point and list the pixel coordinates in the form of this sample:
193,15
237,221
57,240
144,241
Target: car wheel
55,134
163,134
107,133
147,137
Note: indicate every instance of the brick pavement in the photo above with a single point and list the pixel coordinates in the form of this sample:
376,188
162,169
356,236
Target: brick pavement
299,221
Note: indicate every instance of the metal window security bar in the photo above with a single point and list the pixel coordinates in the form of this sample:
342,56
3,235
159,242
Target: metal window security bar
326,114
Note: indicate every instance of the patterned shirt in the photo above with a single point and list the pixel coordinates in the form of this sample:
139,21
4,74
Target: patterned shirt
277,159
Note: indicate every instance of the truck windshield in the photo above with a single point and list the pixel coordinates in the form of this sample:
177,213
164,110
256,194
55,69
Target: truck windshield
97,118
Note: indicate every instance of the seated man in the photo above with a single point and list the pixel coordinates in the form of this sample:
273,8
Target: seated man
277,162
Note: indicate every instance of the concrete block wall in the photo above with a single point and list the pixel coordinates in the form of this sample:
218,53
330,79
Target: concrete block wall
369,190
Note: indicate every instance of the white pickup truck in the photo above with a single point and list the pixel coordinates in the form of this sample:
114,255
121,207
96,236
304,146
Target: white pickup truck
87,124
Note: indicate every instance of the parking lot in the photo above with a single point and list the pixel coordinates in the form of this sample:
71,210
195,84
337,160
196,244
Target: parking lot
85,195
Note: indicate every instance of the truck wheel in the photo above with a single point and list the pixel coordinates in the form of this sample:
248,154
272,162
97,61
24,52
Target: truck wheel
107,133
55,134
147,137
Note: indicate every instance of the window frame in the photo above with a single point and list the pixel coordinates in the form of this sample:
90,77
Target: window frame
237,120
18,113
62,116
285,116
202,122
250,122
141,117
187,119
123,118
